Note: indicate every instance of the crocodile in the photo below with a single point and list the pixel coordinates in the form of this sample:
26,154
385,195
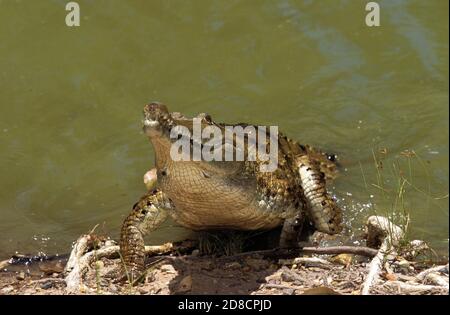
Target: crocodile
235,195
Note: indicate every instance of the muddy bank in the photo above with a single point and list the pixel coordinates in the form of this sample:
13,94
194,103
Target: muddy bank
388,266
252,274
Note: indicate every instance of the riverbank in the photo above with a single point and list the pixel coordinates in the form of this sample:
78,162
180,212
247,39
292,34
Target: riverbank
245,274
388,265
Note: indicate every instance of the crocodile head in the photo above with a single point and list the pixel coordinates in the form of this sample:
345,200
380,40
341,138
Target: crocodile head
157,120
160,126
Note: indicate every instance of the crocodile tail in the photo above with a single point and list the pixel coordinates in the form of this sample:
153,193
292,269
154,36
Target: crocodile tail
323,210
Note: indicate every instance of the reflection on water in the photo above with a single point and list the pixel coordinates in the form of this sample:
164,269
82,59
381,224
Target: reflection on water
72,153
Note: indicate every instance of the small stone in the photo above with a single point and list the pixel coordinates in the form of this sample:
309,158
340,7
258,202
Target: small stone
142,291
46,285
207,265
185,285
257,264
113,288
288,276
232,265
21,276
342,259
168,269
4,264
288,291
195,252
320,291
404,265
7,290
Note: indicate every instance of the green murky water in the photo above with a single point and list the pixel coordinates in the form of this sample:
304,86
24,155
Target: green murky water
71,151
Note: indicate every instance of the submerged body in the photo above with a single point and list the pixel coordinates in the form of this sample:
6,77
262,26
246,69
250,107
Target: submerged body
206,195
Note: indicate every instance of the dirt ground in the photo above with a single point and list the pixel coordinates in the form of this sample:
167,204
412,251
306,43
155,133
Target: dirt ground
251,274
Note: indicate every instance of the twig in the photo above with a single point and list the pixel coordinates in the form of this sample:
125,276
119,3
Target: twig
332,250
280,286
308,261
336,250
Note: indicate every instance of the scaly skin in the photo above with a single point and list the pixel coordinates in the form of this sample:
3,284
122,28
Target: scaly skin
204,195
146,215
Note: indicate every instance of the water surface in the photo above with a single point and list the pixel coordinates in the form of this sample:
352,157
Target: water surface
72,152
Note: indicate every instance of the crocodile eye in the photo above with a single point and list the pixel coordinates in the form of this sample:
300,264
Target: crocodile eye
207,118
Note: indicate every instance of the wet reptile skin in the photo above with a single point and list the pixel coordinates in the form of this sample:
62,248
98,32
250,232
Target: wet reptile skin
229,195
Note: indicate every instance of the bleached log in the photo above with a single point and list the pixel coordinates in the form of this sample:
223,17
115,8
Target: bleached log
75,276
436,279
80,261
80,247
380,229
422,275
407,288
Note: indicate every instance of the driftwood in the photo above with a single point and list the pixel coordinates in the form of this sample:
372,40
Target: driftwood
436,279
83,255
380,230
407,288
432,276
87,250
422,275
80,261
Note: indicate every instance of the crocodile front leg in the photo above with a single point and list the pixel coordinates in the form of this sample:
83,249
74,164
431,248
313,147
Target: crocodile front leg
323,210
146,216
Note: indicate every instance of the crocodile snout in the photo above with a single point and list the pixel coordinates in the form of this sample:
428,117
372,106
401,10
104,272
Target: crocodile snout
156,115
155,111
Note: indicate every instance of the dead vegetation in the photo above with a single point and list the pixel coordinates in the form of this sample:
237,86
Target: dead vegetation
180,268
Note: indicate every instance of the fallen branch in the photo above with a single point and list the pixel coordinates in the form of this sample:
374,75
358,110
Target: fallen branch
281,286
380,229
75,276
436,279
407,288
422,275
307,261
332,250
80,261
336,250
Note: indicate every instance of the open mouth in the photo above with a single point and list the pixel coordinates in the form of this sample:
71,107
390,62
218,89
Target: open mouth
150,123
